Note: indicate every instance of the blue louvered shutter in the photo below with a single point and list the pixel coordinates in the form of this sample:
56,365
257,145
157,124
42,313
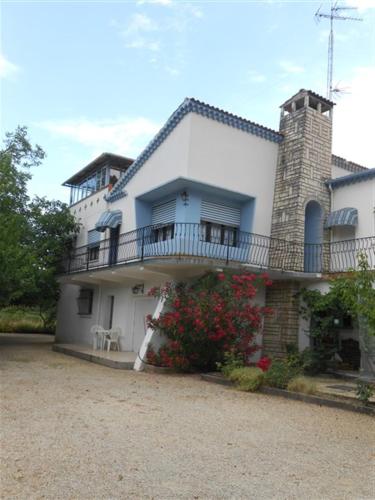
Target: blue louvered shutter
93,237
164,213
220,214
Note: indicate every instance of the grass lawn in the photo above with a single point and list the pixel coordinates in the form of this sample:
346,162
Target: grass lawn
22,320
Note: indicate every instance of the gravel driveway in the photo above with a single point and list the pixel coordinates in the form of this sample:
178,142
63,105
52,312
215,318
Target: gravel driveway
75,430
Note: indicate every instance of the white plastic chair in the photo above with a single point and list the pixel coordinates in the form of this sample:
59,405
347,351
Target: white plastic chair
111,337
98,336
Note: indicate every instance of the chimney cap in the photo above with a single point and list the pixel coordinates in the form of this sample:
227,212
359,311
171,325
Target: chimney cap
326,103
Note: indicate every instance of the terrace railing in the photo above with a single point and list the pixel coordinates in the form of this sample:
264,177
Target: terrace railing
180,240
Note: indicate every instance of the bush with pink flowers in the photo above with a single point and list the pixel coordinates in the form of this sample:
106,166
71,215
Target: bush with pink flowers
203,320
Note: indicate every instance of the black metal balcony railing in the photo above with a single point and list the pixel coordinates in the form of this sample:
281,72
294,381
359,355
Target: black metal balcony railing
190,240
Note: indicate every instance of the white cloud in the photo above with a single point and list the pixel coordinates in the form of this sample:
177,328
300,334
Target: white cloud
164,3
141,43
140,33
140,23
166,38
361,5
172,71
255,77
353,119
125,136
290,67
7,69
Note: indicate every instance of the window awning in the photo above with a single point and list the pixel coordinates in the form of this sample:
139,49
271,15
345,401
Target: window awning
109,219
343,217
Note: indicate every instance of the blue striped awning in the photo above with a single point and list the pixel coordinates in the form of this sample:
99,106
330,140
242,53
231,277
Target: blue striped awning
343,217
109,219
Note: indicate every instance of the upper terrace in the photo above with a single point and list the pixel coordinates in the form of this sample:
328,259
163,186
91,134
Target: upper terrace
104,171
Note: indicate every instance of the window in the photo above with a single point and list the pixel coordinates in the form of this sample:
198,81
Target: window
93,245
163,233
219,234
93,253
84,301
163,216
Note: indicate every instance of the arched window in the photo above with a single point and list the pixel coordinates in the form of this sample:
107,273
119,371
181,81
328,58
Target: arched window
313,237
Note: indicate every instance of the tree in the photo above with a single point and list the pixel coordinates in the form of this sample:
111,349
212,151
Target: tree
33,234
350,294
17,156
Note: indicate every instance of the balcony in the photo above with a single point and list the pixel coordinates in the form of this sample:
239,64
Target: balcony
190,241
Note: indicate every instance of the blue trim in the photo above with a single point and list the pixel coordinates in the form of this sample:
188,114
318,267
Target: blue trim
351,179
344,217
109,219
190,106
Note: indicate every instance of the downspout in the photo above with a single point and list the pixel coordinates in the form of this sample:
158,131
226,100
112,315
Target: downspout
331,190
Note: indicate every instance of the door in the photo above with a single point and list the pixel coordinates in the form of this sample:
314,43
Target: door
142,307
113,245
108,315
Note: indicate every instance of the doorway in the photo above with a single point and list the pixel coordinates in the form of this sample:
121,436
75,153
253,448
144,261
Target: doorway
113,245
109,307
313,238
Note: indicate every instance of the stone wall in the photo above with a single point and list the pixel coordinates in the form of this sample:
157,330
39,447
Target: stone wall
282,327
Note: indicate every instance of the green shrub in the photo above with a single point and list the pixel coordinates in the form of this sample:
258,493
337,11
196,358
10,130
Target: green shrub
14,319
310,361
230,362
247,378
364,391
280,374
302,384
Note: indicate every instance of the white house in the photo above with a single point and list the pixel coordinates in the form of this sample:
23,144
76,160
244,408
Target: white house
214,190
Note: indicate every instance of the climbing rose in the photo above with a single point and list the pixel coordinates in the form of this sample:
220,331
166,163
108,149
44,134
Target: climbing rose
264,363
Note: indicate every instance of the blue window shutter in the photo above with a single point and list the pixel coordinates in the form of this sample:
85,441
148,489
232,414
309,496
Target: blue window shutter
93,237
164,213
220,214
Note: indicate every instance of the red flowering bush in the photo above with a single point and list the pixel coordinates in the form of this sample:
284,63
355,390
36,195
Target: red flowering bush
205,319
264,363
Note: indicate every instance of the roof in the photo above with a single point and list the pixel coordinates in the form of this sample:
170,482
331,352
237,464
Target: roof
191,105
347,165
351,179
116,161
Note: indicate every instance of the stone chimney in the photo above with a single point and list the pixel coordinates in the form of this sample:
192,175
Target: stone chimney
304,163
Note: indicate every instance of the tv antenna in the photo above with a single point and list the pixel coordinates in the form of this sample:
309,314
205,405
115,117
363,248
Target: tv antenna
334,14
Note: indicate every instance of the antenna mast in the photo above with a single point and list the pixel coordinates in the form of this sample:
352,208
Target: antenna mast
334,14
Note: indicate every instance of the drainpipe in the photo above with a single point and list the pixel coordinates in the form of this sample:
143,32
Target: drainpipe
331,204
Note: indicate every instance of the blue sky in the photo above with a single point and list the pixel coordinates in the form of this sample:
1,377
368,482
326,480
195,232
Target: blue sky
88,77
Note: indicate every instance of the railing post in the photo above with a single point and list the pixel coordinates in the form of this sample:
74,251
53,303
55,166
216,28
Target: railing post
228,247
143,244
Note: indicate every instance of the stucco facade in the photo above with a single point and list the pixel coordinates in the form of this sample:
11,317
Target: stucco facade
215,190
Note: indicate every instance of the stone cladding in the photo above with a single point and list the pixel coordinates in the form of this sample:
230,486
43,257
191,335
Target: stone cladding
304,164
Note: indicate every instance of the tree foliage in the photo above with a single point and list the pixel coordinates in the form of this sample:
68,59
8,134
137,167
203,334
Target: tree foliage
350,294
33,233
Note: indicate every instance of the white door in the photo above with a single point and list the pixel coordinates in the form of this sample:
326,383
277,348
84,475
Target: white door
142,307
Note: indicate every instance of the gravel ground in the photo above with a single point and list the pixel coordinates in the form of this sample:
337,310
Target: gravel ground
74,430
